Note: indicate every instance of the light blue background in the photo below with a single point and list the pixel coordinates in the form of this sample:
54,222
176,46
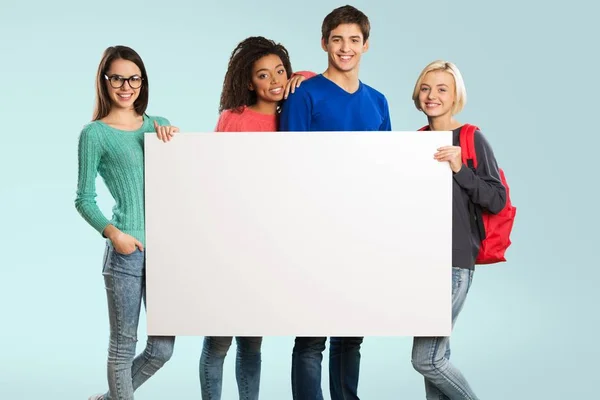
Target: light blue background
529,327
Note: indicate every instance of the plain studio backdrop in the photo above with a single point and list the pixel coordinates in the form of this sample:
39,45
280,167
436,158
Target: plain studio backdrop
530,71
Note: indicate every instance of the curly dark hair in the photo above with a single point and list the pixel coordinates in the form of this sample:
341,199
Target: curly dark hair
236,93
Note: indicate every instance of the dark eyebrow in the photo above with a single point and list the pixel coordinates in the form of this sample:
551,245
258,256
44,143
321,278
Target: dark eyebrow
266,69
351,37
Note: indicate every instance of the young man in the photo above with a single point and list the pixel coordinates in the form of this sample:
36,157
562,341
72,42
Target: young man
335,100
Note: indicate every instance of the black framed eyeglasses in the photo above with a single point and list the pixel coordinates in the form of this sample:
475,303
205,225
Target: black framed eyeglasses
117,81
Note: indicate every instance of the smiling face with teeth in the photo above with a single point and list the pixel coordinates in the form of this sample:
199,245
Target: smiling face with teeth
269,78
344,46
437,94
125,96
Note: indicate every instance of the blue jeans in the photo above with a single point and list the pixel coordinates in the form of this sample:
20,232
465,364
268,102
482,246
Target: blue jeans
124,278
247,366
344,366
431,355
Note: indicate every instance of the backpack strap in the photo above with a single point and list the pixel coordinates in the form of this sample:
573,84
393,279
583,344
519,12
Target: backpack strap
469,158
467,145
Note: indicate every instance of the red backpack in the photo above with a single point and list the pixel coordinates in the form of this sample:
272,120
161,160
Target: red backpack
494,229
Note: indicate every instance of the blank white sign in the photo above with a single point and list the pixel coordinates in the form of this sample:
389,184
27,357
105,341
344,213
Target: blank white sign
300,234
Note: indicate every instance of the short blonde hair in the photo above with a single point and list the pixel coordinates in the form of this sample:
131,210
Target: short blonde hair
460,93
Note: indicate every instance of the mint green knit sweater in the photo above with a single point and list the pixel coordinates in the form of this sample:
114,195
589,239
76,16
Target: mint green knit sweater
118,156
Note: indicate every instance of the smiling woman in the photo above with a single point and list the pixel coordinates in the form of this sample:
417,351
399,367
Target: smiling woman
121,84
440,94
112,146
258,79
269,76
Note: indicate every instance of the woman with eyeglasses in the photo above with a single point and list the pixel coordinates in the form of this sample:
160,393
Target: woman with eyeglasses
112,145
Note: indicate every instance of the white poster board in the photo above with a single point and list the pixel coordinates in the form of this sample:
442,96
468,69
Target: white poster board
299,234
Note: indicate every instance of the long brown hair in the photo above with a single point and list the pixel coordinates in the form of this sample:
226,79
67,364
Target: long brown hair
103,102
236,92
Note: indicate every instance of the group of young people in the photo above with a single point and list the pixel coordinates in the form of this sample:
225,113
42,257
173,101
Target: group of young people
261,93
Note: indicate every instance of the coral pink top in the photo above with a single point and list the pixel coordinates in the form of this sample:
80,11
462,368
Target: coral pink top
246,120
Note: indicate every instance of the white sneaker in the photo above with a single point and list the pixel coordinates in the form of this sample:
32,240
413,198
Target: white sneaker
97,397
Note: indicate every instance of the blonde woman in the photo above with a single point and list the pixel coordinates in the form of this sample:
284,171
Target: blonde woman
440,94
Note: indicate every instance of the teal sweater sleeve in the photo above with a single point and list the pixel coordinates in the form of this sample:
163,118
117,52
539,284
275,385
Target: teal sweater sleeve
89,155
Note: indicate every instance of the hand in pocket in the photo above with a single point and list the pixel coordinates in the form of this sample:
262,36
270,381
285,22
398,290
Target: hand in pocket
126,244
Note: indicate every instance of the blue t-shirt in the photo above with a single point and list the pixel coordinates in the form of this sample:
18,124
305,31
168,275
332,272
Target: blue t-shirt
321,105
